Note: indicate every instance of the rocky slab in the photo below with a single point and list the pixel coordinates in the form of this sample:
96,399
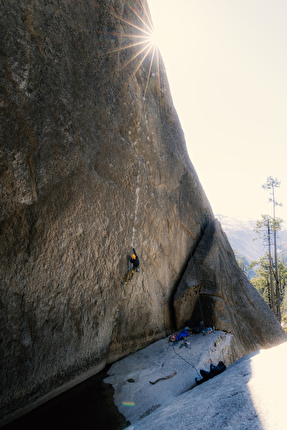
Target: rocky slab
251,394
155,376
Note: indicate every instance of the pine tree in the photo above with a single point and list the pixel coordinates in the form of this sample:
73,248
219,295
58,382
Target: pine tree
270,185
262,228
262,281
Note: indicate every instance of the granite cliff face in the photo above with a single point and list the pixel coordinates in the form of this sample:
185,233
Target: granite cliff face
92,162
215,289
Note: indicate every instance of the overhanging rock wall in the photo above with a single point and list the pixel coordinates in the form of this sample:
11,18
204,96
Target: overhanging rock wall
92,162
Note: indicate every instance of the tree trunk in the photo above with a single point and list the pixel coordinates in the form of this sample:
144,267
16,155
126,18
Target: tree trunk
271,273
278,295
275,259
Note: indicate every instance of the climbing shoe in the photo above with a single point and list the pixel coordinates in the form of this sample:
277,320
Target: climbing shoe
124,282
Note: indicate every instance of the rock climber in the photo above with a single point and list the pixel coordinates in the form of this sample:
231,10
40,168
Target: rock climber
134,260
214,370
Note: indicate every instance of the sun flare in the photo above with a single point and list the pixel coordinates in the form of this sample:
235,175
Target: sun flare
154,38
144,38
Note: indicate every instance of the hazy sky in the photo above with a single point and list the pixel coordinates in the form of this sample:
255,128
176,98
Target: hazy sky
227,67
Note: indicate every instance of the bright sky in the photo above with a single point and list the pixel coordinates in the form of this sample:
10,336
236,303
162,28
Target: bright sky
227,67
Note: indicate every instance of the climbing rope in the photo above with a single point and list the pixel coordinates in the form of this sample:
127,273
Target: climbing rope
190,364
200,307
198,289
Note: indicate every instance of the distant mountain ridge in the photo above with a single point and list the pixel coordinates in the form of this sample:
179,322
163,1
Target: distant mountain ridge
244,240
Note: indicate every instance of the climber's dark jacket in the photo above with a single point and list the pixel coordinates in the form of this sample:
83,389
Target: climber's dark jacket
135,261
